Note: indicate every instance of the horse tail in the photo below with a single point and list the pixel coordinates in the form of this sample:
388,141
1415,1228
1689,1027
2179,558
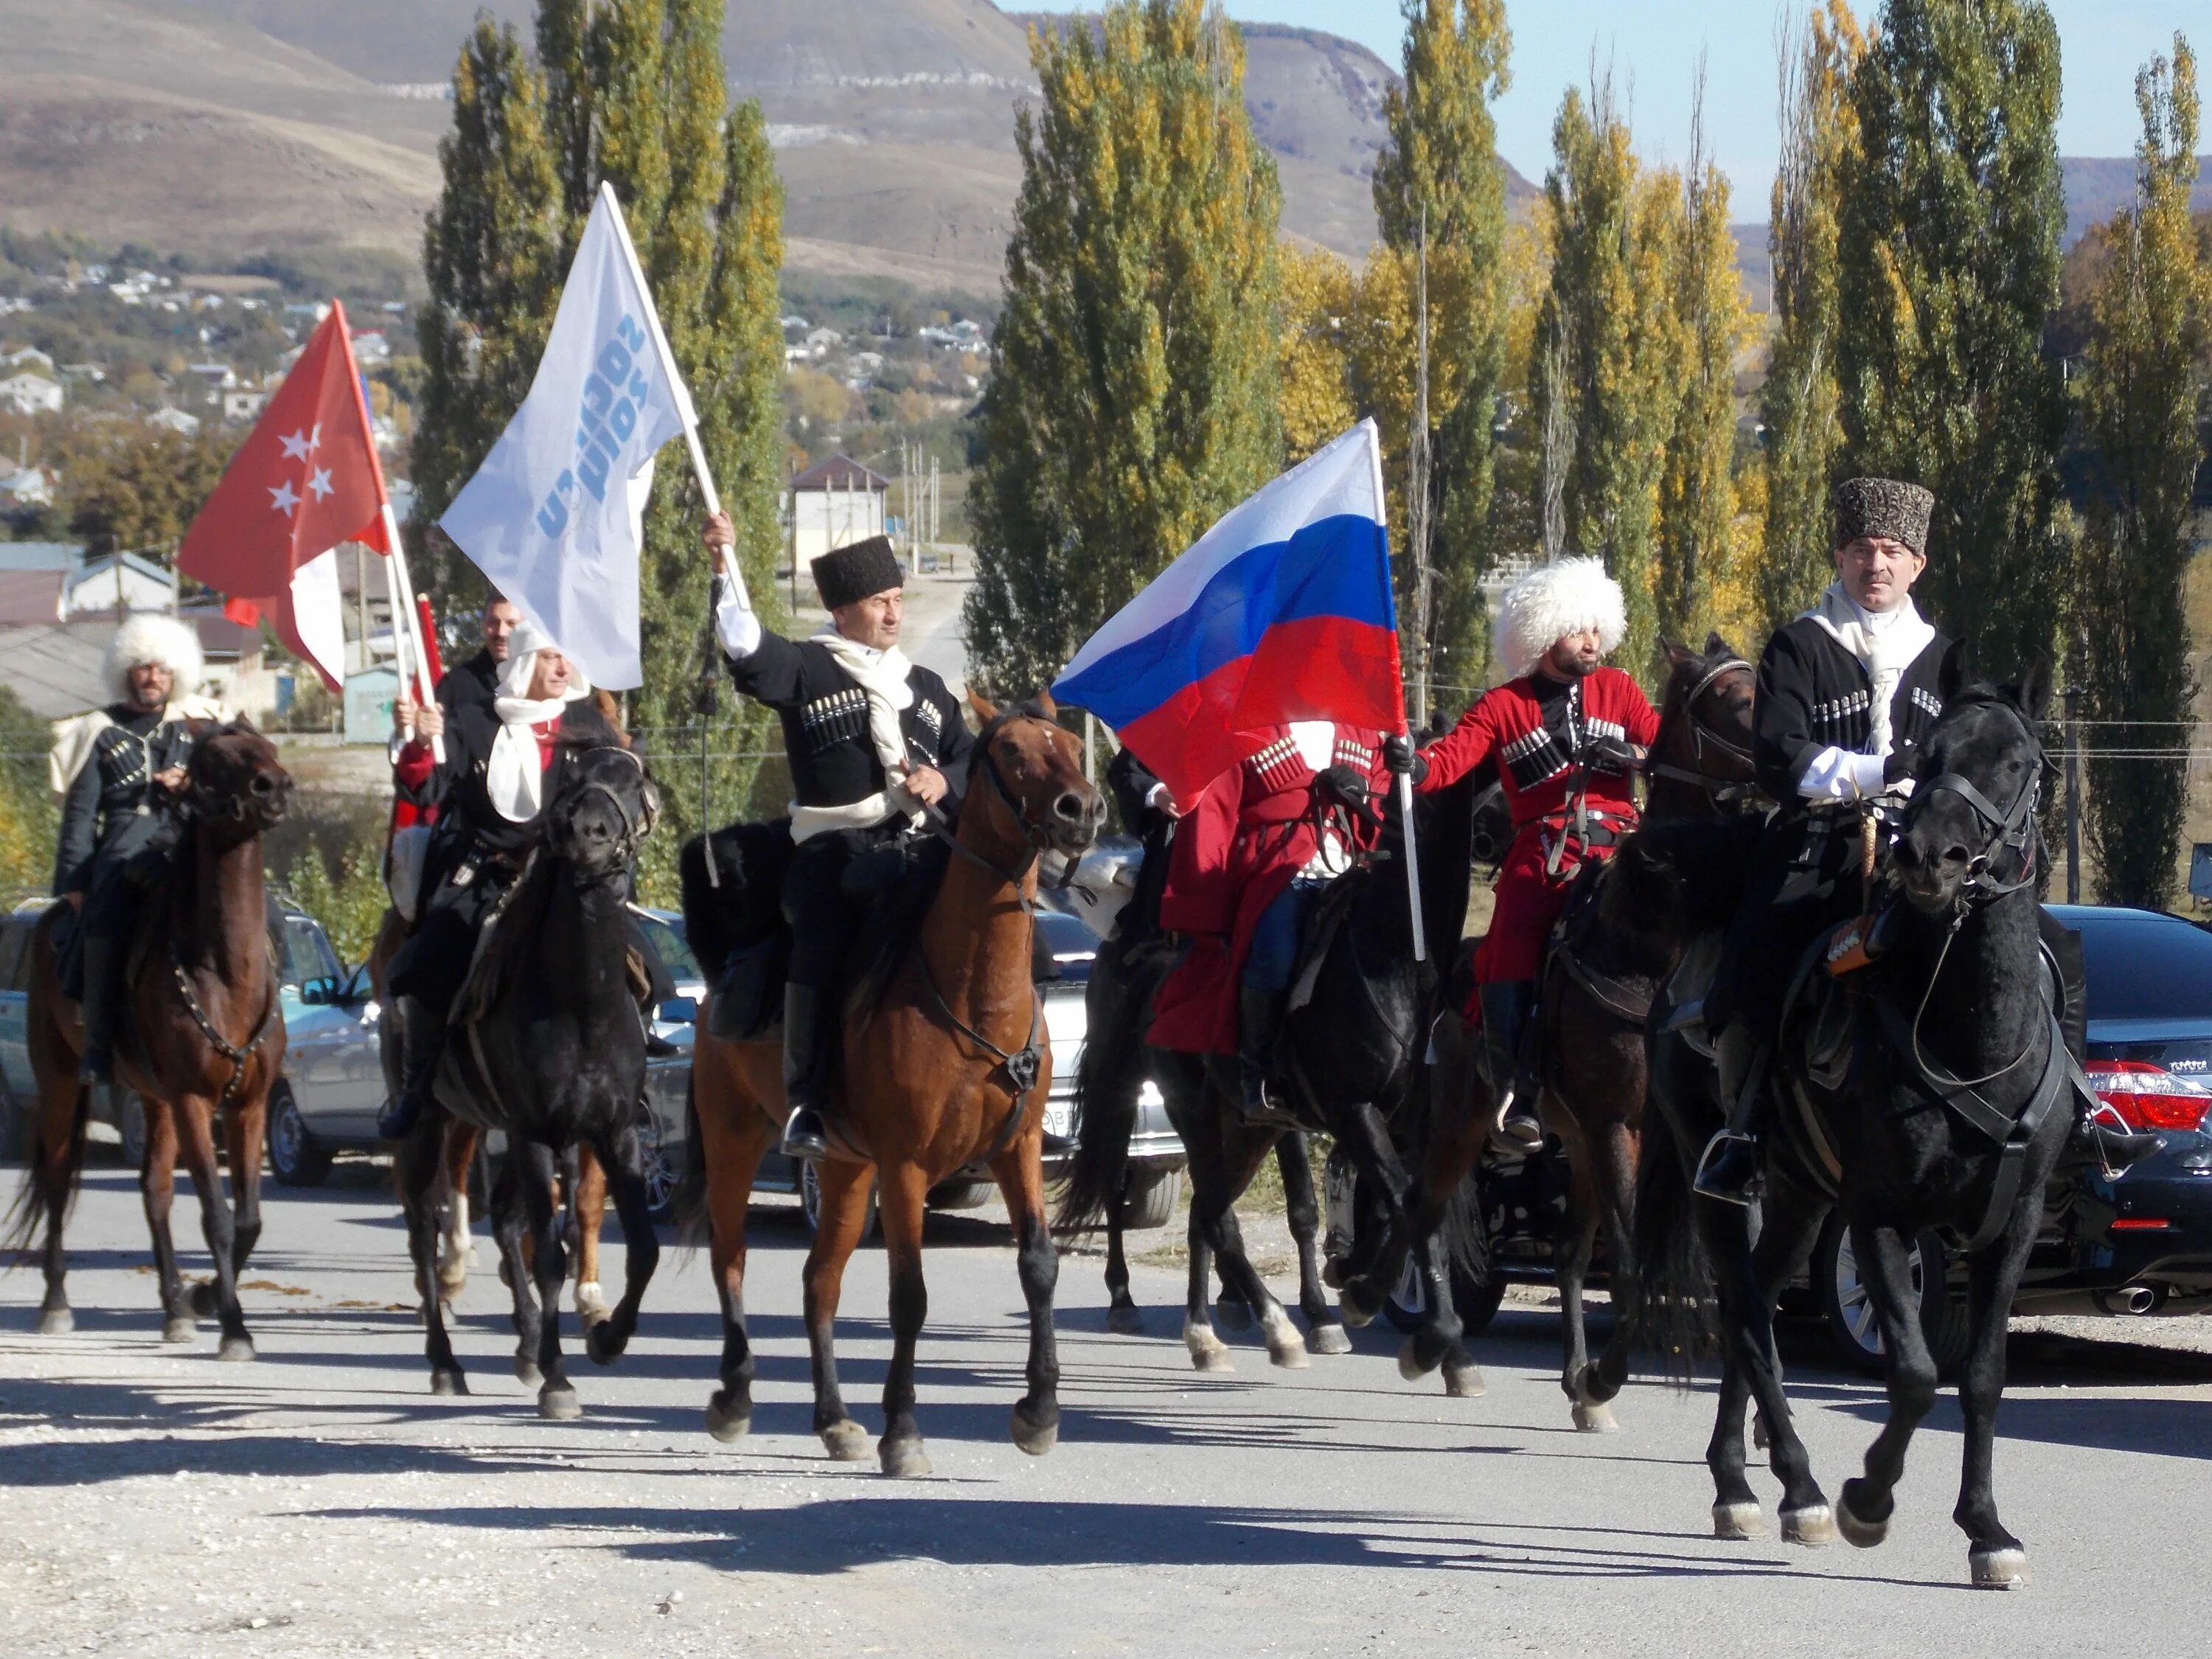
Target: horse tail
1674,1317
1107,1083
694,1217
49,1184
1463,1234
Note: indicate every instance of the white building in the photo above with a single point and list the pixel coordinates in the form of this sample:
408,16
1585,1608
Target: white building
121,581
243,403
27,357
835,503
175,419
31,394
25,486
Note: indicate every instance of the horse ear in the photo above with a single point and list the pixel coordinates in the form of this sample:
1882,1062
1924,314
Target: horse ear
2032,690
985,711
1953,674
1677,654
1717,646
1047,706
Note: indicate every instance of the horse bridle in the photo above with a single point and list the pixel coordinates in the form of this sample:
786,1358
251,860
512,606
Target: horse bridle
1724,791
2010,828
635,827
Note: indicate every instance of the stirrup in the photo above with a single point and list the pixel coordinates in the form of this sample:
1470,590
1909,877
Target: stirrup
1524,1130
805,1139
1704,1183
1264,1114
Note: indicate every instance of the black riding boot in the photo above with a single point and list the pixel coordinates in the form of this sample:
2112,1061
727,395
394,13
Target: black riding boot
1730,1165
101,994
423,1039
2107,1145
1258,1018
1506,1004
803,1134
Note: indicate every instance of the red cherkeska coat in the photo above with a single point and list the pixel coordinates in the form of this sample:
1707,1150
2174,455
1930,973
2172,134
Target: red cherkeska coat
1236,851
1536,766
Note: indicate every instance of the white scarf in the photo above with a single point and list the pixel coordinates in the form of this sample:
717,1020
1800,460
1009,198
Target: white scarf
1886,643
514,778
883,676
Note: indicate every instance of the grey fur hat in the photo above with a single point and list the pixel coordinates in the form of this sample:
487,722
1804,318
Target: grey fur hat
844,575
1884,507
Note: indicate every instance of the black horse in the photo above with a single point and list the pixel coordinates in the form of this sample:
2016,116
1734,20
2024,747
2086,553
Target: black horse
546,1046
1930,1089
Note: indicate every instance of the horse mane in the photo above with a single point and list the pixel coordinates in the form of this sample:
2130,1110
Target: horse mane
743,903
510,934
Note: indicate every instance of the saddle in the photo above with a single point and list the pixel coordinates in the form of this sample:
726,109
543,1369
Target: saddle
1619,997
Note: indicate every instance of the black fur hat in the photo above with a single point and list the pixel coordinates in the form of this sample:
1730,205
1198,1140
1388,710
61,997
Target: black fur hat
1883,506
846,574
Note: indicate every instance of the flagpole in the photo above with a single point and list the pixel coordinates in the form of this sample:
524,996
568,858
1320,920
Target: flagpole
1405,779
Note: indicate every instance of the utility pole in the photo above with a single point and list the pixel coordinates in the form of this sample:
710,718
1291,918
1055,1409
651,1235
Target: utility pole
2073,741
1418,486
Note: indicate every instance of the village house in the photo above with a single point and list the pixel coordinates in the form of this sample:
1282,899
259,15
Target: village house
833,503
31,394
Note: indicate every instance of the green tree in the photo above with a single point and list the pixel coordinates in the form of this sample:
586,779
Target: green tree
129,487
1439,171
2139,405
1800,403
1948,265
1134,397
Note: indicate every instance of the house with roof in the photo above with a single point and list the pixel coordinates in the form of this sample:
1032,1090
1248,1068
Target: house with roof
119,583
27,357
31,394
24,486
175,419
833,503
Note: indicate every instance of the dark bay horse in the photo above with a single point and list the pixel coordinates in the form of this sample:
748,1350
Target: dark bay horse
1928,1090
546,1046
1599,981
945,1063
203,1040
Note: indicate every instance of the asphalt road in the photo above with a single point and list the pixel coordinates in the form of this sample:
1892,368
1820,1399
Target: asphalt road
320,1500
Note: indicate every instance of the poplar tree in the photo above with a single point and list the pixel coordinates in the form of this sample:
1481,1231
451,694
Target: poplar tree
1949,255
1134,394
1800,403
1438,173
2139,405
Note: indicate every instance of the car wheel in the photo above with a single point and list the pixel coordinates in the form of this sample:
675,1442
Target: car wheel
810,1200
661,1175
957,1194
1849,1304
295,1156
1148,1199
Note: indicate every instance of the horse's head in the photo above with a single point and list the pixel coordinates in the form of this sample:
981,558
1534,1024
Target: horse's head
605,809
1674,881
1704,725
233,781
1027,777
1970,828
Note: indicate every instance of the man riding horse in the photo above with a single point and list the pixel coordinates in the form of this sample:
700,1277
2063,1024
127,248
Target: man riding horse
1245,866
505,760
476,682
125,767
1567,732
874,741
1846,693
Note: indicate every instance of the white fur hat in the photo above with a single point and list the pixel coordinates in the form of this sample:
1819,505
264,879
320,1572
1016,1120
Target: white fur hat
149,636
1552,601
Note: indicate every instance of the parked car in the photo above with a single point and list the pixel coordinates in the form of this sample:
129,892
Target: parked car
2139,1244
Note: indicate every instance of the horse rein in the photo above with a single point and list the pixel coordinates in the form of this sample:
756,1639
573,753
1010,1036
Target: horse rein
1724,794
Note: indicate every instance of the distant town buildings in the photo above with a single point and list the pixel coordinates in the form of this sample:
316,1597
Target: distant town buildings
834,503
28,393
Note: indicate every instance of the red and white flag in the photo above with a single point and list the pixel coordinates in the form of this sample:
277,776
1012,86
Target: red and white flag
305,479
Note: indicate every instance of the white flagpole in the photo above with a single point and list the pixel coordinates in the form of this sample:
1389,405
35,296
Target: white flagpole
407,625
700,470
1405,779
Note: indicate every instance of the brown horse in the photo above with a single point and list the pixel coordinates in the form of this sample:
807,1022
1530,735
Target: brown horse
946,1065
203,1039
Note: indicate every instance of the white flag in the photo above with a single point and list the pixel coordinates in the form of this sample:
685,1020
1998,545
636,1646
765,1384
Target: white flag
555,516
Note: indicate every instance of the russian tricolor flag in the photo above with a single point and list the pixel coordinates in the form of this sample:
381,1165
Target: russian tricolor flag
1282,611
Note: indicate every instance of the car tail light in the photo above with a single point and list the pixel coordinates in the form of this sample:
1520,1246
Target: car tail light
2148,1096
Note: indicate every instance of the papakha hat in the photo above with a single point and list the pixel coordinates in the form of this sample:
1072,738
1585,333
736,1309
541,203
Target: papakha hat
1884,507
847,573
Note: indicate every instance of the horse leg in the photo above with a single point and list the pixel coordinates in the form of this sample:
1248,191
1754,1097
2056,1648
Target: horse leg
1021,1180
1995,1558
510,1229
557,1396
1863,1509
899,1205
194,1123
157,1190
1302,1208
1596,1384
836,1235
619,1164
589,1208
731,1162
246,1129
1123,1315
459,1154
418,1164
51,1177
1208,1353
1367,1137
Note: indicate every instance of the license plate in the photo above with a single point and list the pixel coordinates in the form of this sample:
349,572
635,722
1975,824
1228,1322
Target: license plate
1059,1117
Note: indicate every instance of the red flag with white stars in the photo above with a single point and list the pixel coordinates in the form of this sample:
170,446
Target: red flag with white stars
304,480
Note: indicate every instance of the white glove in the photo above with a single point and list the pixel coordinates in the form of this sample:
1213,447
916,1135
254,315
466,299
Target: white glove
1841,774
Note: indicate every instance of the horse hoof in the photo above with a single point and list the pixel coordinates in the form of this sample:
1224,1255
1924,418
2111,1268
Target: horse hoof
1738,1521
1035,1433
1595,1417
1359,1305
1860,1534
2001,1569
180,1328
1409,1360
448,1383
527,1374
203,1299
1125,1319
1208,1353
1234,1315
57,1321
1464,1382
1812,1526
847,1441
235,1348
601,1342
1289,1352
557,1403
904,1460
726,1423
1329,1337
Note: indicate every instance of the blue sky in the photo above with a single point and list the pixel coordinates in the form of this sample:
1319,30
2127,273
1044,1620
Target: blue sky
1654,46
